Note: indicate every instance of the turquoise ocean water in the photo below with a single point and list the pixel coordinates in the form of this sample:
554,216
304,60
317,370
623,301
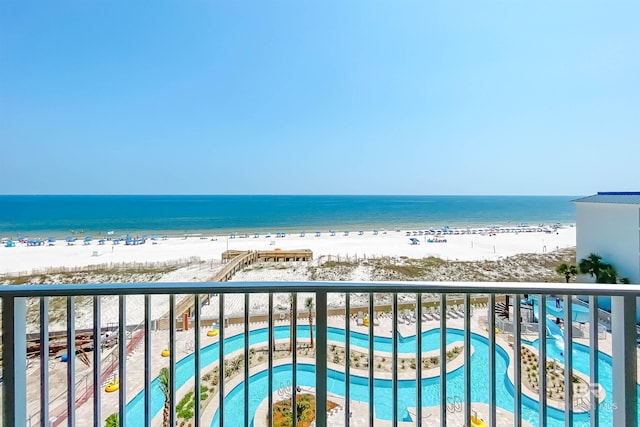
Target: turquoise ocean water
176,215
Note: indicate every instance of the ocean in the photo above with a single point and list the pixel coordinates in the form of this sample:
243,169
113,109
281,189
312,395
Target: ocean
59,216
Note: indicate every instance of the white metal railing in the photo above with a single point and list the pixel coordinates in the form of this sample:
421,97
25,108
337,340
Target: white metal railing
621,406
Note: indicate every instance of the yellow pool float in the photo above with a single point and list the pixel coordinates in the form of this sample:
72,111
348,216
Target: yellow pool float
112,386
165,352
497,330
477,422
212,333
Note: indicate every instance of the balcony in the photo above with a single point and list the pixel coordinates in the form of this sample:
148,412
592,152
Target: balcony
468,333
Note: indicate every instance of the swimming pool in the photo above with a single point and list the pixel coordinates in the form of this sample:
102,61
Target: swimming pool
359,386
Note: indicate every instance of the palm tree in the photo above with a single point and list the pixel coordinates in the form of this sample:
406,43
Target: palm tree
604,273
608,275
302,407
567,270
163,380
592,265
309,305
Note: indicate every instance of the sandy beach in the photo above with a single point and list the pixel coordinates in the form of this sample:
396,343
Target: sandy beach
463,247
199,258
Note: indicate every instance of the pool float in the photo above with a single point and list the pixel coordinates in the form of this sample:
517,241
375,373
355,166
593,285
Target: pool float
112,386
165,352
477,422
212,333
497,330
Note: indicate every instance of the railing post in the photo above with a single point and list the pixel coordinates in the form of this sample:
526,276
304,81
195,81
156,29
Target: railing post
44,361
71,361
14,354
467,359
122,360
623,332
321,359
492,360
443,360
594,413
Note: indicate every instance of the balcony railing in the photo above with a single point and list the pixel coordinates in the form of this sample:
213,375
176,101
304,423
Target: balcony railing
482,382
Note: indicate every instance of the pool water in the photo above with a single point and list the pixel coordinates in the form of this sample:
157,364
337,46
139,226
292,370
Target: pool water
359,386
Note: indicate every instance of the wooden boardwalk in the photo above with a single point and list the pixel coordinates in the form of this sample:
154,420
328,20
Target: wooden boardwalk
235,261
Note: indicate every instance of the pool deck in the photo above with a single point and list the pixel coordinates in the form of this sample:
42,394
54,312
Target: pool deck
184,344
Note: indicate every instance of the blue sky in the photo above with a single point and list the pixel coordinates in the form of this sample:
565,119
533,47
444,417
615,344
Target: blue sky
331,97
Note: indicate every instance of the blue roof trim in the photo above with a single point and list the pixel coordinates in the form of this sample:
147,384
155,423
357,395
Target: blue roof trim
618,197
618,193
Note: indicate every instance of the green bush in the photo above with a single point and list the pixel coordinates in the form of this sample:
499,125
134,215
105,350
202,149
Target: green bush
112,421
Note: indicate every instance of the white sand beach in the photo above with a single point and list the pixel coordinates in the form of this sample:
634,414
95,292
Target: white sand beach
464,247
201,259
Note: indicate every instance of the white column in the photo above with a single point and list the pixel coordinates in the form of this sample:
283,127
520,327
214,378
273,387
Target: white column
623,332
14,353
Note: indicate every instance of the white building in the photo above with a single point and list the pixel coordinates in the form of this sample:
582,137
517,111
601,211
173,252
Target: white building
608,223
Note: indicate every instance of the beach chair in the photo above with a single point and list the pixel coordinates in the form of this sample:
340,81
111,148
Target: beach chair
407,316
455,310
360,319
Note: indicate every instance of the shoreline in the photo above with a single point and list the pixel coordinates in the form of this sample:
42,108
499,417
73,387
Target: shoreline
223,232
